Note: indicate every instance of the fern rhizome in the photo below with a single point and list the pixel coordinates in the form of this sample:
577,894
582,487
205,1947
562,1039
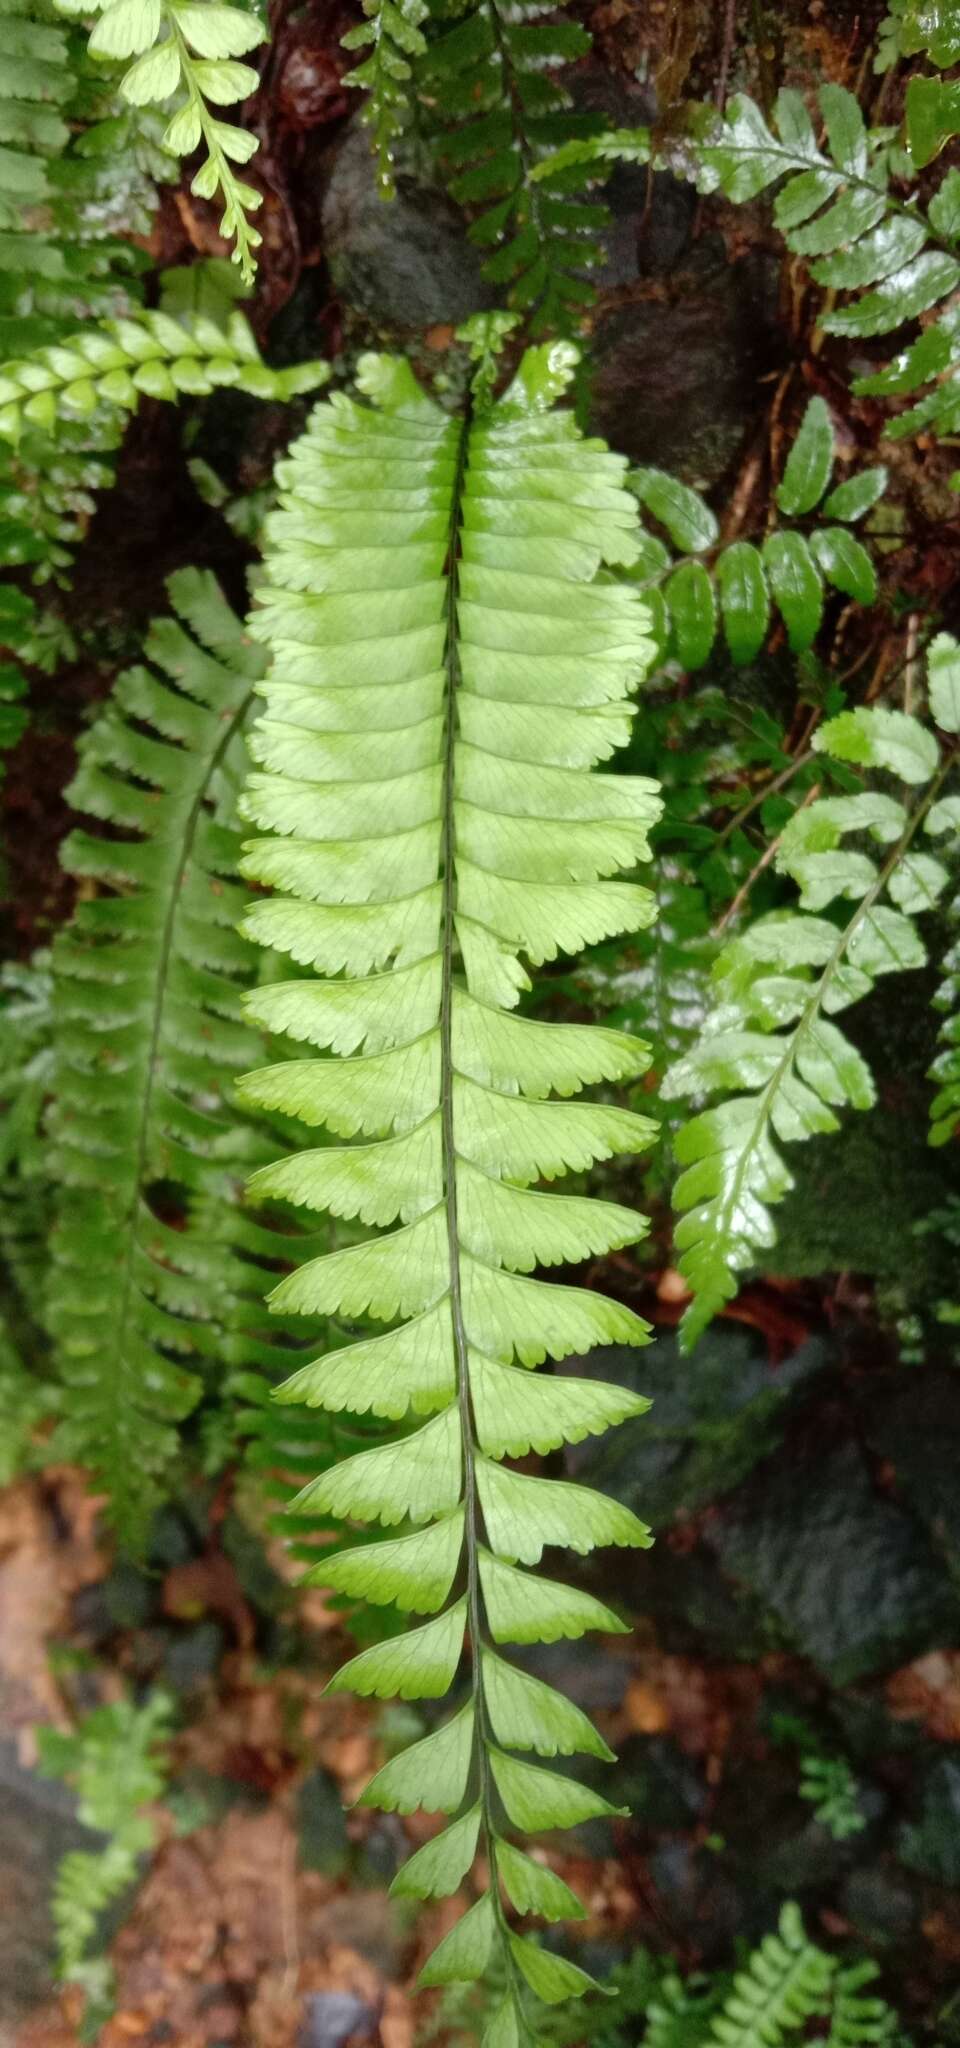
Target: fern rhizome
448,662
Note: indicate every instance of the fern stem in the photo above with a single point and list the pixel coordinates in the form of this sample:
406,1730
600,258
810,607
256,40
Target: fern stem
131,1216
472,1511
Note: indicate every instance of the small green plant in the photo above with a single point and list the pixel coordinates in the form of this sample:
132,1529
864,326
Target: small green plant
829,1786
117,1762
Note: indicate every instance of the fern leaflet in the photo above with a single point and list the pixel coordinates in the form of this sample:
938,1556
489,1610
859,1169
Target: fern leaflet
446,665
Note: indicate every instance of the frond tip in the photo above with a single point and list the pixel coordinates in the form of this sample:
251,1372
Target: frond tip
447,663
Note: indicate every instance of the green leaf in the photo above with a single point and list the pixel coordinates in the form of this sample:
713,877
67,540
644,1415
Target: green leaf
933,117
535,1888
851,499
551,1977
810,461
153,77
462,1956
796,585
417,1666
692,606
685,515
536,1800
744,602
524,1516
516,1413
524,1609
943,681
526,1714
431,1774
874,737
441,1865
416,1572
126,29
845,563
417,1478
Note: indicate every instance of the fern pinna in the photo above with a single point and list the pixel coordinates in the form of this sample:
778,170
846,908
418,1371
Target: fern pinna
448,661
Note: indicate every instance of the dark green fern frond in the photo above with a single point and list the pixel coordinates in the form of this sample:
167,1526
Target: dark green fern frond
944,678
771,1049
148,1034
742,585
492,81
448,663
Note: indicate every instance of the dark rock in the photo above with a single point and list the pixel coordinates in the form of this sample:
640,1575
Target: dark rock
663,1788
880,1905
772,1843
914,1421
833,1221
402,263
321,1825
193,1655
714,1416
845,1575
598,1679
674,373
932,1845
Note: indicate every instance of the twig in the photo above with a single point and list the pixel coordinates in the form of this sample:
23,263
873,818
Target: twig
769,789
726,52
766,857
910,661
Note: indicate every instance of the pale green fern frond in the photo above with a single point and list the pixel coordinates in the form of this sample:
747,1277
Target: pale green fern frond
784,1985
155,1273
771,1048
147,355
446,654
185,52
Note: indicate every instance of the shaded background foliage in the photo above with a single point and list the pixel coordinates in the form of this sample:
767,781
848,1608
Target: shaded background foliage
802,1603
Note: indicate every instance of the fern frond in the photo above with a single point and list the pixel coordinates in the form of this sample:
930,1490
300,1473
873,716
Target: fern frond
146,355
944,825
742,584
771,1047
785,1984
393,33
116,1760
428,579
154,1271
186,51
492,81
897,261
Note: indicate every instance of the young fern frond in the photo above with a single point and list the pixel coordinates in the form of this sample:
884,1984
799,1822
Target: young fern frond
144,1292
187,51
740,584
448,662
785,1984
771,1047
393,33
